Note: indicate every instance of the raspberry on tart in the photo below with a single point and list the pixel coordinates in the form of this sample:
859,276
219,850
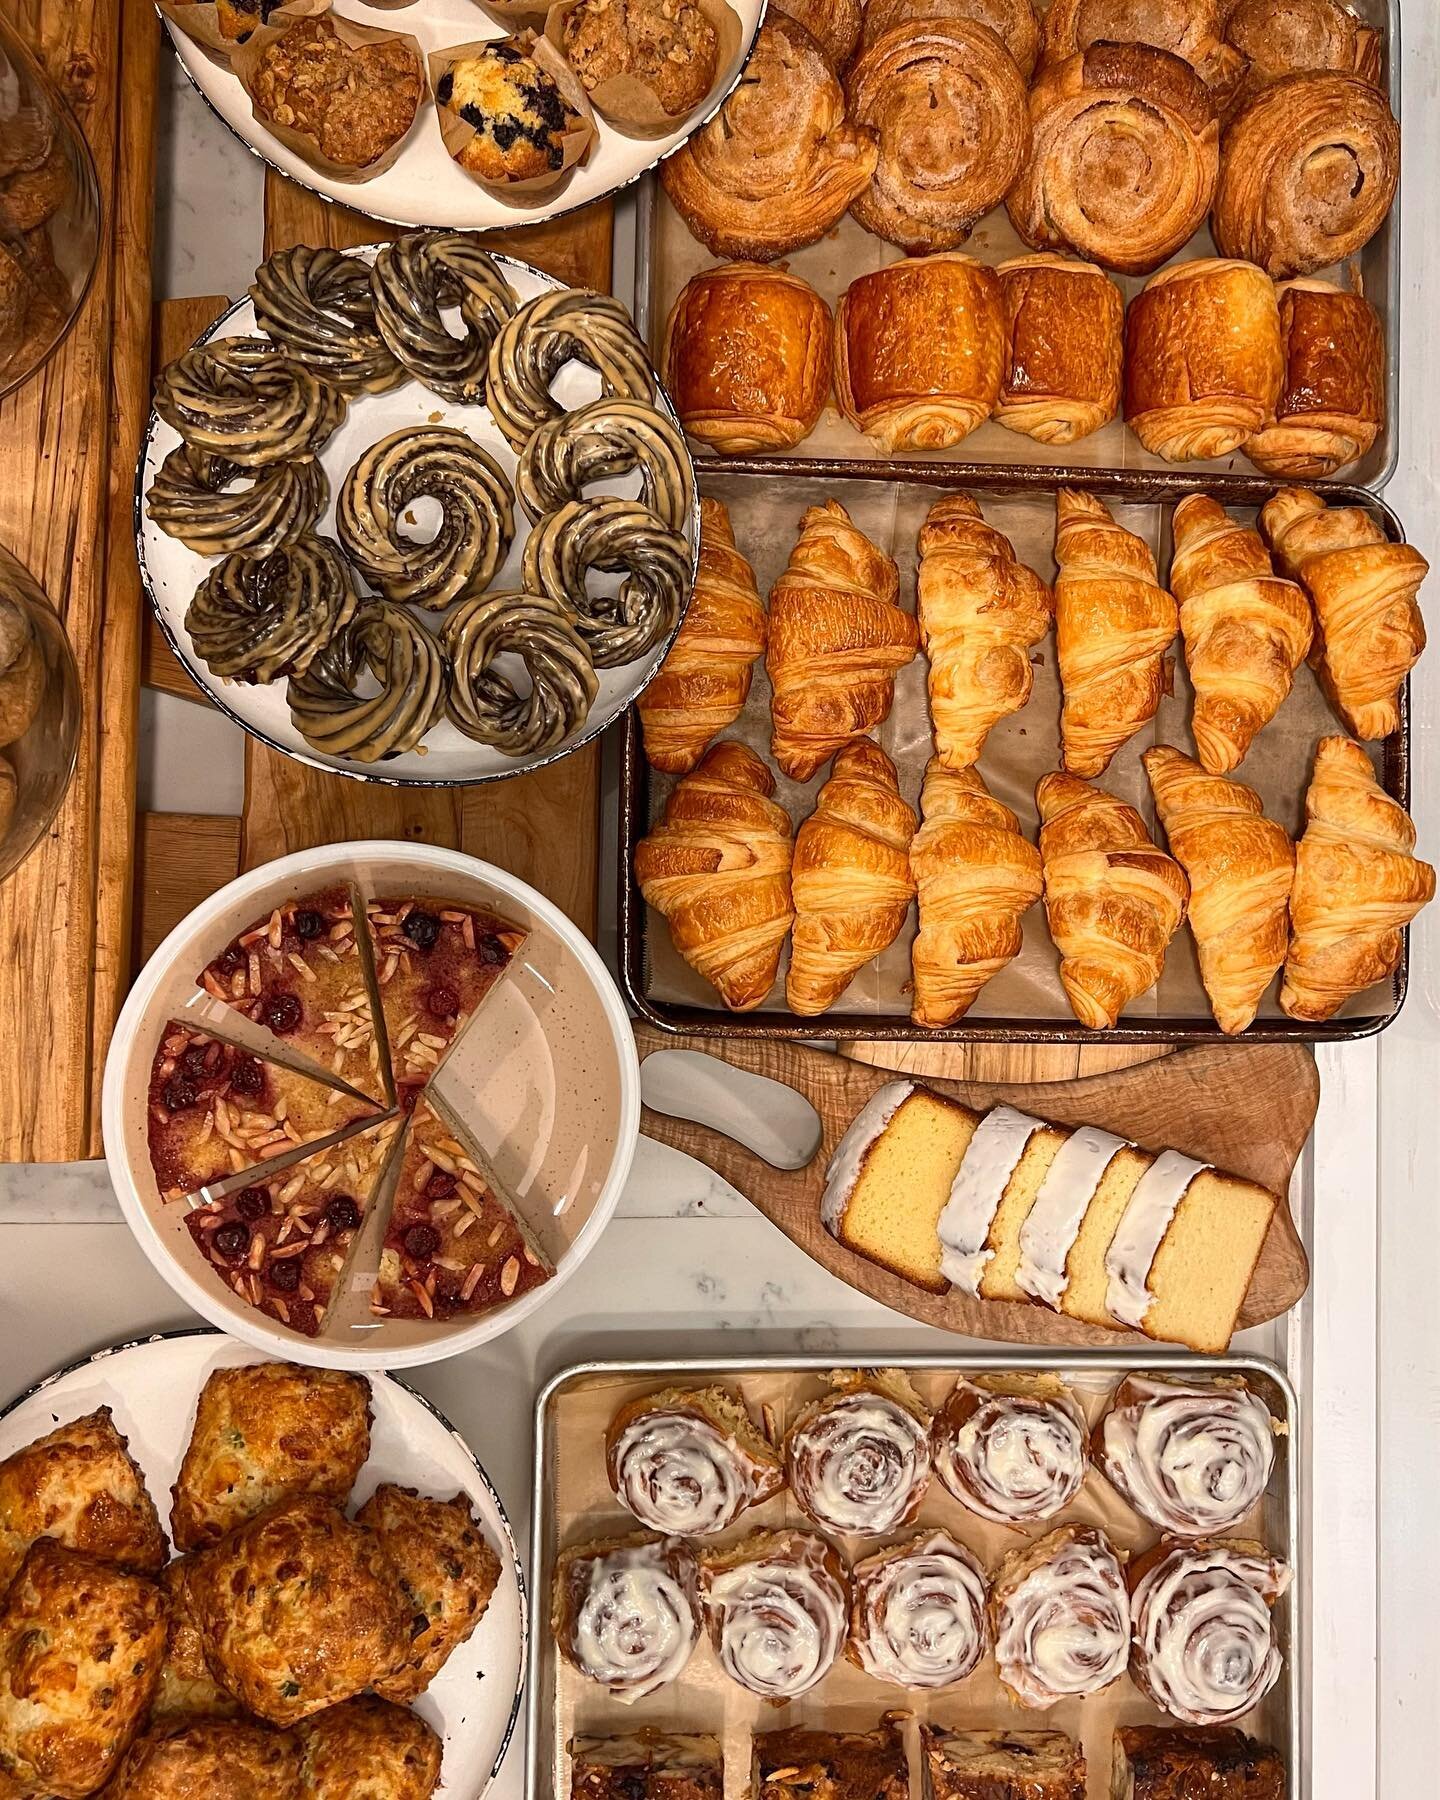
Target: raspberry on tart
216,1110
453,1244
283,1244
435,961
300,972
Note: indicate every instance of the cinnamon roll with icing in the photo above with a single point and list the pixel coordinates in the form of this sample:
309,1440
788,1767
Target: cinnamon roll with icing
1011,1447
858,1460
625,1613
214,507
1205,1649
573,325
1193,1458
484,705
1060,1615
412,280
918,1617
776,1606
245,400
619,536
317,304
689,1461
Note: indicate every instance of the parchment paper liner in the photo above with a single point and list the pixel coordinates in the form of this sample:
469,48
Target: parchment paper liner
516,12
629,103
199,22
457,133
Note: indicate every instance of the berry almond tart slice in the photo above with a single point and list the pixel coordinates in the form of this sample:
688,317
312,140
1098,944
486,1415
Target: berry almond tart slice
216,1109
453,1244
284,1244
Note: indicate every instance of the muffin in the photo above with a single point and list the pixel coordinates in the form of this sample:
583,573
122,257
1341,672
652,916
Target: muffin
669,46
516,110
338,91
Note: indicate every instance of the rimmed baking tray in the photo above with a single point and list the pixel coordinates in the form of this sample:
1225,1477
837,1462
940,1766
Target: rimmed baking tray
1024,1003
573,1503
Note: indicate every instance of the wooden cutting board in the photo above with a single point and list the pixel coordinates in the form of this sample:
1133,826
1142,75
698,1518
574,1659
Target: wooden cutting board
1245,1108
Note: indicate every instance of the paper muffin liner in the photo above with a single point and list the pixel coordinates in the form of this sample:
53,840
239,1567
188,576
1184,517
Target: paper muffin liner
457,132
517,12
628,102
199,22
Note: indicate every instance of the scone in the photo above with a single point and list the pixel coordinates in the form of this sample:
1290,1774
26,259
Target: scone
668,46
349,104
368,1749
223,1759
515,108
186,1689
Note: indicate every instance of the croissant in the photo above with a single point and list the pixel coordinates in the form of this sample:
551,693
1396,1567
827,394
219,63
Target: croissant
1064,344
1357,885
1014,22
717,866
1113,624
980,613
1332,396
977,877
1246,629
852,878
1369,630
1241,866
702,684
1189,29
837,640
1112,898
1283,37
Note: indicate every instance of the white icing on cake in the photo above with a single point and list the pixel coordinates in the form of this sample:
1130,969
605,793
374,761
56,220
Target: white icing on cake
1138,1236
849,1155
975,1194
1049,1233
636,1624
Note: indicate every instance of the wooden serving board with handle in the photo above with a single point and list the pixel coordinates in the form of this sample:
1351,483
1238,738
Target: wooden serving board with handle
1246,1108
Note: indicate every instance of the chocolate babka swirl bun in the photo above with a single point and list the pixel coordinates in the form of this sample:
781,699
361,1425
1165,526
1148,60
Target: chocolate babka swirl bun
617,536
549,331
254,618
689,1461
404,659
1205,1648
859,1460
598,442
1192,1457
317,305
477,519
482,702
625,1613
1060,1616
412,280
776,1606
215,507
244,399
1011,1447
918,1617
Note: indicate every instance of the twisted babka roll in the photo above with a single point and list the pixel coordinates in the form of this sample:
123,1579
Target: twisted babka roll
1061,1617
573,325
625,1613
193,498
407,663
484,705
317,305
412,280
1193,1458
1011,1448
597,443
256,617
244,399
859,1459
614,535
1205,1648
918,1618
776,1606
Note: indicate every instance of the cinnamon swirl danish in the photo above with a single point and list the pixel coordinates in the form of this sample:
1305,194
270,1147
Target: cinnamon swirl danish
689,1461
245,400
213,507
1064,345
416,277
1284,37
1189,29
918,1618
1193,1458
1061,1617
776,1606
620,536
483,704
834,24
1308,175
573,325
1014,22
408,666
948,105
859,1460
625,1613
780,163
1124,159
1332,394
318,305
599,442
254,618
1205,1649
1011,1447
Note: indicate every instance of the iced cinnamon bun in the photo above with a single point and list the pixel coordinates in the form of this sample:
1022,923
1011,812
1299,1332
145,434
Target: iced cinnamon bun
625,1613
859,1460
776,1607
1011,1448
689,1462
918,1617
1061,1617
1193,1459
1205,1648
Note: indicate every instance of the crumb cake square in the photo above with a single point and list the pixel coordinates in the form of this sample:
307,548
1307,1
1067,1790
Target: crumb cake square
647,1765
1002,1765
829,1765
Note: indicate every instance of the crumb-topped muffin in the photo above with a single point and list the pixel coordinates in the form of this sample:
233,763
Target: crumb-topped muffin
352,103
515,108
668,45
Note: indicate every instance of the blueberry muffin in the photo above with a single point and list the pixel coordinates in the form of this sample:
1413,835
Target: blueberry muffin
516,109
668,45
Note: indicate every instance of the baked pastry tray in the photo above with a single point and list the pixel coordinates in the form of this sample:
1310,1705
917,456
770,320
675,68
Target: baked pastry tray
573,1504
1025,1002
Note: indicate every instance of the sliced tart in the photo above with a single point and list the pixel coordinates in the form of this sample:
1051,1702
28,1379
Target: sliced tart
453,1245
216,1110
284,1244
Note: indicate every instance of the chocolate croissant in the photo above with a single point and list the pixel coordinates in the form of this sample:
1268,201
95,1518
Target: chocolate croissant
1064,346
1332,394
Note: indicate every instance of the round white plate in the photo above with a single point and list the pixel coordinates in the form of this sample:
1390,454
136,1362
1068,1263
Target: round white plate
172,572
151,1387
423,186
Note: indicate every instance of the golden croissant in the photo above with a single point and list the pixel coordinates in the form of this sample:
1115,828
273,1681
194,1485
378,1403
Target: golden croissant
717,866
1112,898
852,881
1240,866
1369,630
1357,885
1113,624
1246,629
977,877
980,612
702,684
837,640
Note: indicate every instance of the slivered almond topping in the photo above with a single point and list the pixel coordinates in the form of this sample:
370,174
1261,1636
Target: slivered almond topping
532,1258
291,1188
276,929
289,1251
472,1281
339,930
422,1175
471,1179
463,1225
467,931
257,936
325,951
429,1039
509,1276
440,1159
476,1206
426,1303
203,1135
254,973
388,968
212,984
298,962
452,917
495,1236
282,1310
256,1256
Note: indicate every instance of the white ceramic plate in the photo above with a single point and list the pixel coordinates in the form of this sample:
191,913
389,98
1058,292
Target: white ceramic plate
151,1387
423,186
171,572
546,1078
